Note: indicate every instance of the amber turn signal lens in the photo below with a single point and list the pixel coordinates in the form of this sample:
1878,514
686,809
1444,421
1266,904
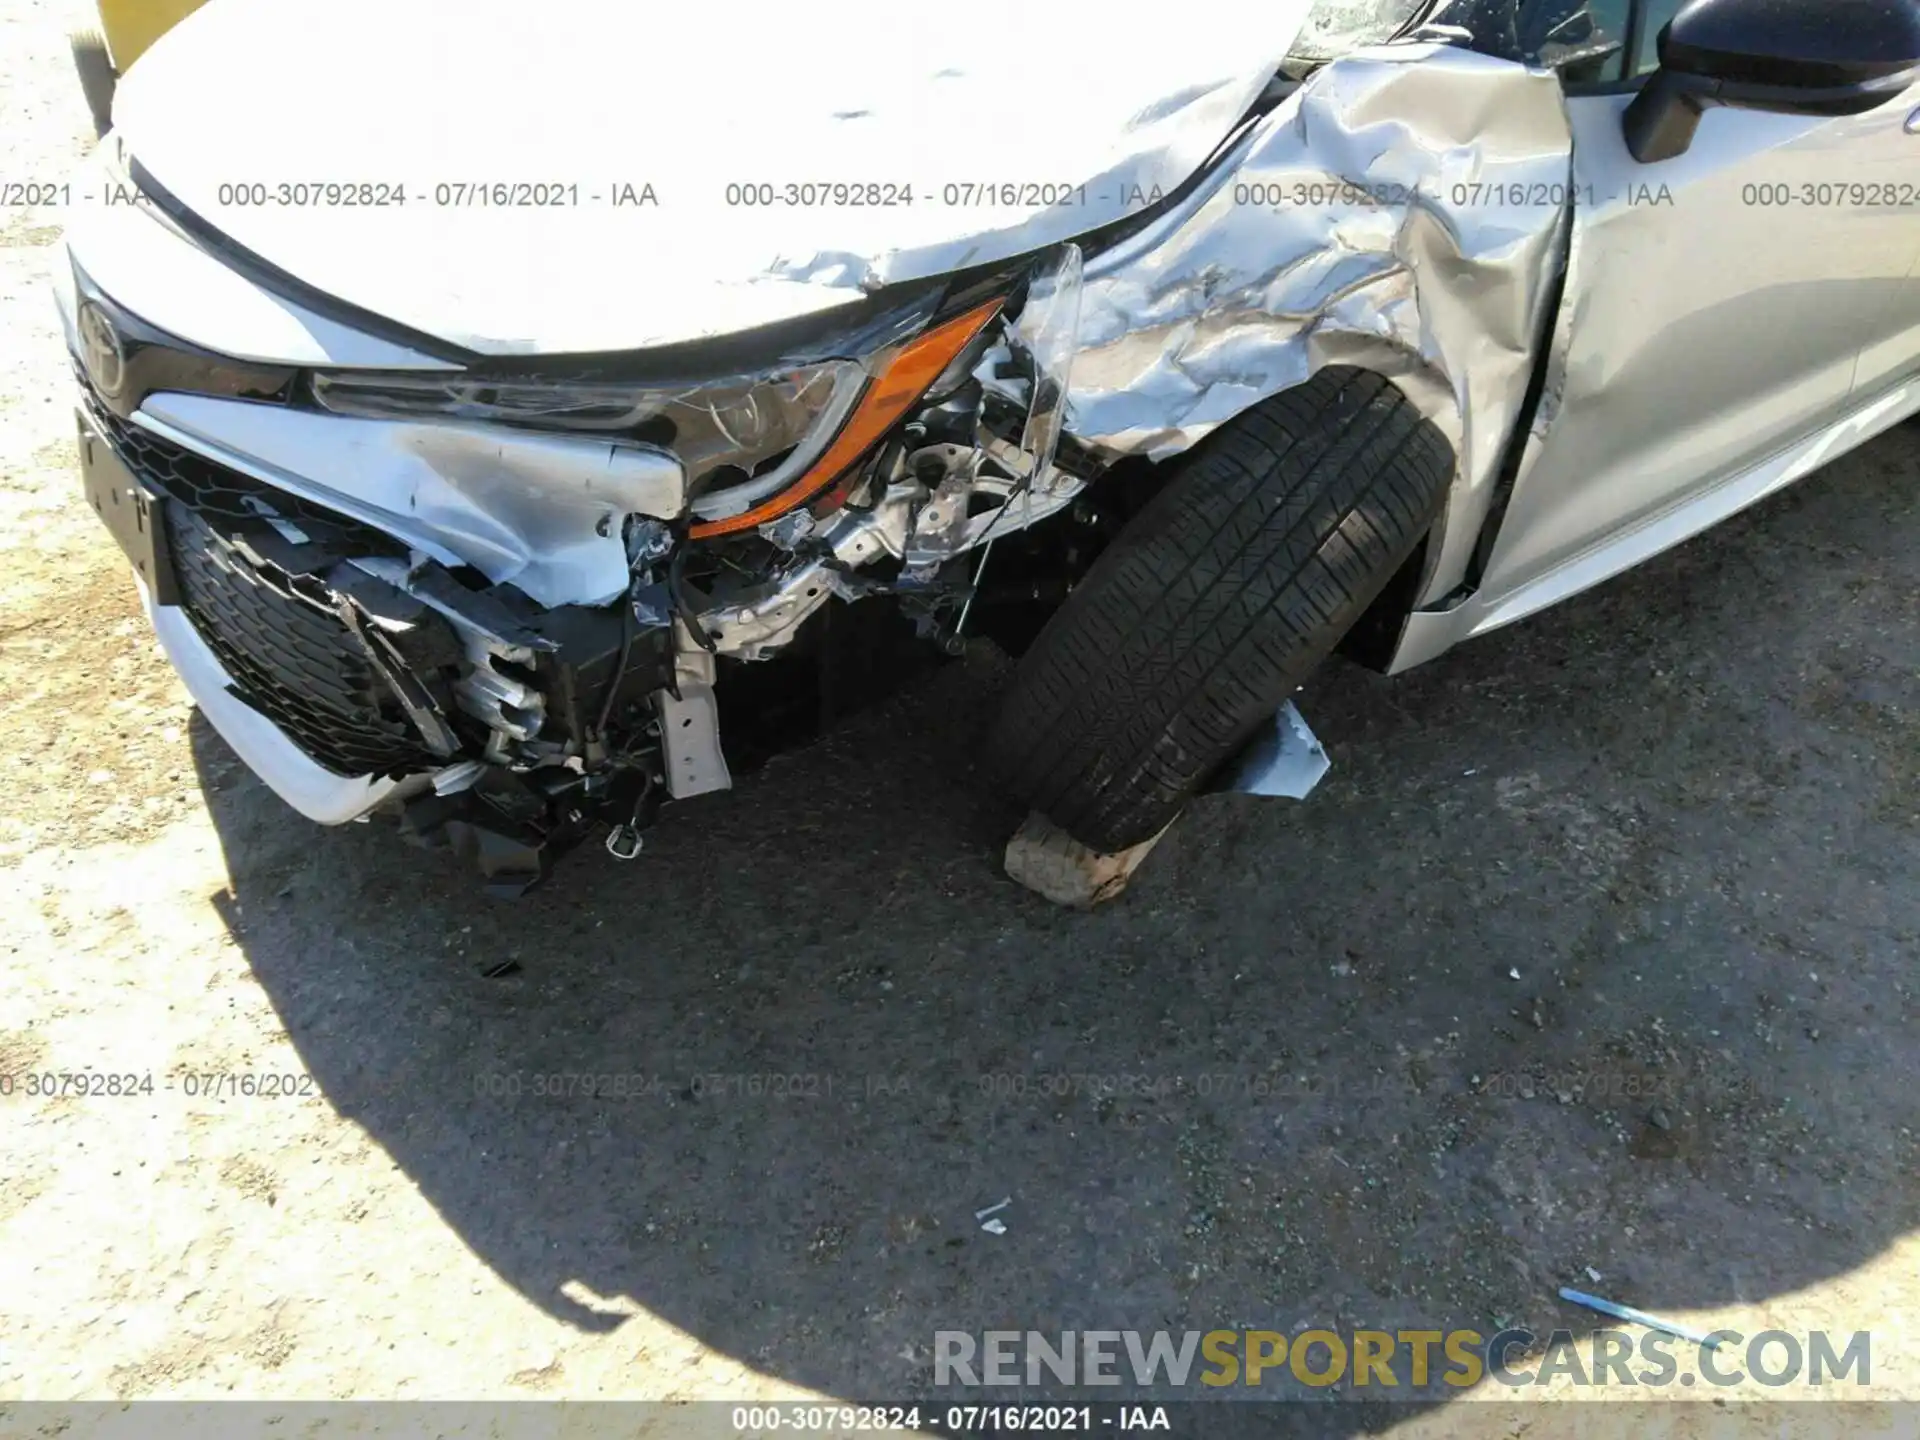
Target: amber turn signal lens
888,396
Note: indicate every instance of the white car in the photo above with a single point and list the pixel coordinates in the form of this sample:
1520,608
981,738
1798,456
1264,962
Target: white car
514,411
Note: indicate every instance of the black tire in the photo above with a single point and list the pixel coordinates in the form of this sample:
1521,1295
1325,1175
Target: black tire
1216,602
95,67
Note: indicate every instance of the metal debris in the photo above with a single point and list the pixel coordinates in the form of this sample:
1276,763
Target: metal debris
1284,760
1639,1317
995,1227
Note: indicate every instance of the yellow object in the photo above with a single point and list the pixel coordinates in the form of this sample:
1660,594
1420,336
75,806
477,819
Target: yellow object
130,26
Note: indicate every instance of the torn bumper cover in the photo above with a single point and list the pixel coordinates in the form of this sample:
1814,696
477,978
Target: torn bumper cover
349,672
483,625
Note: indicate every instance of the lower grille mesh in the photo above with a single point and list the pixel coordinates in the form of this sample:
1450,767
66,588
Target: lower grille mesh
295,662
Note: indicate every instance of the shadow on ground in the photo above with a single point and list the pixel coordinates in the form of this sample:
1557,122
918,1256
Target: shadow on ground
1596,949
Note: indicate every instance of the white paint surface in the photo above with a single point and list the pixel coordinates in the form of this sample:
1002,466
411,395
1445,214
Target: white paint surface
688,100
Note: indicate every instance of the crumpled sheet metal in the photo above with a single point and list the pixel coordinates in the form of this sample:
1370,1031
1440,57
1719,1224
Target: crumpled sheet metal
542,512
710,177
1432,186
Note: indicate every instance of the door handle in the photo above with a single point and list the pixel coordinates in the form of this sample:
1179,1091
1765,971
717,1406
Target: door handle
1913,123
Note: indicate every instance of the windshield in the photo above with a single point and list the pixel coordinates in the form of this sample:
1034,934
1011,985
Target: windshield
1334,27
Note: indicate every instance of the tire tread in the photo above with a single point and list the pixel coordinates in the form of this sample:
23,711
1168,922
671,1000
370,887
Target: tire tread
1216,602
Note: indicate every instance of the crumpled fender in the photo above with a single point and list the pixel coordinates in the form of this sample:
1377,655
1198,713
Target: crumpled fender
1404,210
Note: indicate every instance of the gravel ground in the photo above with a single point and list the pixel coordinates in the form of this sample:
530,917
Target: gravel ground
1595,950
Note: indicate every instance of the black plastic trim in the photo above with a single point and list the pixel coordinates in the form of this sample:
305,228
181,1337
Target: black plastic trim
152,360
268,276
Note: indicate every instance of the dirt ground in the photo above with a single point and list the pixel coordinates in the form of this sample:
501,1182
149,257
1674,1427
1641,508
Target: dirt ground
1379,1059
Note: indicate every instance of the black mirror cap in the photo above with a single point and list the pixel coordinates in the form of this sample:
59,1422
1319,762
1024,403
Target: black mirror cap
1802,44
1796,57
1660,121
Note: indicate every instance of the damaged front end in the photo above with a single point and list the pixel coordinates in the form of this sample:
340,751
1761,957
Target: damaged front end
500,605
508,594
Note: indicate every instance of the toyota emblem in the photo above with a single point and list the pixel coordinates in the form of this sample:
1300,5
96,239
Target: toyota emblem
100,350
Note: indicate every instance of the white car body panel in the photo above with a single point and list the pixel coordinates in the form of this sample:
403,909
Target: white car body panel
541,512
605,93
314,791
1704,342
174,284
1430,633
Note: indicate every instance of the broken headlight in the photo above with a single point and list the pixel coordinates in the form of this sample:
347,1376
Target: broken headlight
740,439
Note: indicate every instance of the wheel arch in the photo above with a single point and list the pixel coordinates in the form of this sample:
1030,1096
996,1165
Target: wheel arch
1390,263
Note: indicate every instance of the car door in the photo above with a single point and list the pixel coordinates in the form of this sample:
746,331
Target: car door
1718,307
1891,354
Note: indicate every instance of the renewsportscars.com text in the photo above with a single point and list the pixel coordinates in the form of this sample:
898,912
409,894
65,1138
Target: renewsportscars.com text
1384,1360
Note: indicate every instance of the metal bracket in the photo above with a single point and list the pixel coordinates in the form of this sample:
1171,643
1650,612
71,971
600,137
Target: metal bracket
690,726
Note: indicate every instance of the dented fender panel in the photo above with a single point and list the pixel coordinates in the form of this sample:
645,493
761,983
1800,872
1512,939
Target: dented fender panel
1404,210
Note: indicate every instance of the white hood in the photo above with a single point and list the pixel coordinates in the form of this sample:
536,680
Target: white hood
670,105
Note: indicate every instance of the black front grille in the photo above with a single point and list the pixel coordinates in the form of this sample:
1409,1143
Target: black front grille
290,658
295,662
227,497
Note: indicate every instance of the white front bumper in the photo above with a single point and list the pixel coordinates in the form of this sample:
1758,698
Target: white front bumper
289,772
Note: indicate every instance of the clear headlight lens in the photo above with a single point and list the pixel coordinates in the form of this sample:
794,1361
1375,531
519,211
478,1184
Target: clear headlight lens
740,439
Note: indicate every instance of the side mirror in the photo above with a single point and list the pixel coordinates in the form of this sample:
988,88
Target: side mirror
1798,57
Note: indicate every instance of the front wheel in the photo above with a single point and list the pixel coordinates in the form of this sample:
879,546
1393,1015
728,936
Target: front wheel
1216,602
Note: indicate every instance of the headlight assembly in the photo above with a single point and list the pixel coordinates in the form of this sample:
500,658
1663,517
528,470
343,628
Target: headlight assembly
901,375
754,446
740,439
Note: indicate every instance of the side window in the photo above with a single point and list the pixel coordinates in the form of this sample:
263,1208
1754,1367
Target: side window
1654,15
1585,40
